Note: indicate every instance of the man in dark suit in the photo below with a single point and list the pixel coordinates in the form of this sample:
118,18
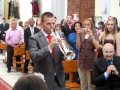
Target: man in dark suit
106,71
31,30
45,61
68,27
4,27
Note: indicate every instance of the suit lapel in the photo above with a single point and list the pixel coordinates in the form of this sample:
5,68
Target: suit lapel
103,64
43,39
29,32
35,30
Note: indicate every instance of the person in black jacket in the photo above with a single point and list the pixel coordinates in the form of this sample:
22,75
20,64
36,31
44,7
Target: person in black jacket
31,30
106,71
4,26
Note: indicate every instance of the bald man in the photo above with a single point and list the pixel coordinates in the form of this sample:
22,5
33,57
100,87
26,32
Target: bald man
106,70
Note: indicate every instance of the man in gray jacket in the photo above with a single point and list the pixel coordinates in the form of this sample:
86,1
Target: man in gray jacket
46,55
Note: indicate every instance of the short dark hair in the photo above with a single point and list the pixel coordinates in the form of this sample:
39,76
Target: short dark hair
78,22
30,82
46,14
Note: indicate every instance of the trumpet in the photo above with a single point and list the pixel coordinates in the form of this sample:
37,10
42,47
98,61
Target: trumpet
65,48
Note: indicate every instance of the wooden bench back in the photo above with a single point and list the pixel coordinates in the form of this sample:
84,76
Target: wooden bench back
19,50
70,67
27,55
3,46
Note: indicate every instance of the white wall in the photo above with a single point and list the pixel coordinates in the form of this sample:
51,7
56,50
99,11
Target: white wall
25,9
46,5
59,9
113,8
98,4
1,10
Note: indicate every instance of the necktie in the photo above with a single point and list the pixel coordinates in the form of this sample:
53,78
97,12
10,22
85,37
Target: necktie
49,37
110,62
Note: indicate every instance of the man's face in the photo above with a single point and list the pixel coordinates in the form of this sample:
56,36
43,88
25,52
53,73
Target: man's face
48,24
31,22
110,25
13,25
108,52
69,19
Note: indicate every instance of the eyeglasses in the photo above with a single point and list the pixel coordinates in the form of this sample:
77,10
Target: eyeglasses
57,29
108,51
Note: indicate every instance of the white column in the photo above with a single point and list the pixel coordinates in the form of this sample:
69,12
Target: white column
115,8
25,9
46,5
1,10
105,9
59,9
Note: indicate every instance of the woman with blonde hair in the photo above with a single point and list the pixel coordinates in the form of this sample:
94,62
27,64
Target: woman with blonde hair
86,43
109,35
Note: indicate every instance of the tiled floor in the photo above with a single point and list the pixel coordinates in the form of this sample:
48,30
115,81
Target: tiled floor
11,77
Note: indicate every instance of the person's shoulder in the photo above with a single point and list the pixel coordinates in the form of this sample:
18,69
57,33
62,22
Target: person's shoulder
37,28
37,35
98,60
72,35
10,29
116,58
26,29
19,28
7,23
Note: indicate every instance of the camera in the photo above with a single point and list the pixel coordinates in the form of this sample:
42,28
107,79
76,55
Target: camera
84,29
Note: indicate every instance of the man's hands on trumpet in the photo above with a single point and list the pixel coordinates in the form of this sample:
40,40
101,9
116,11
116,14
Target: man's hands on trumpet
53,42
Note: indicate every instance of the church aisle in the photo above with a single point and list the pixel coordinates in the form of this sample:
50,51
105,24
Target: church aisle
11,77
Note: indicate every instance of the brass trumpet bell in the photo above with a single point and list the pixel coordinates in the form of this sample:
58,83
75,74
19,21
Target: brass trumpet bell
66,49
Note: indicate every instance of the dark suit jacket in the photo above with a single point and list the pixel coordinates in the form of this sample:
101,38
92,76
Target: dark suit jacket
66,30
100,66
2,29
44,62
27,34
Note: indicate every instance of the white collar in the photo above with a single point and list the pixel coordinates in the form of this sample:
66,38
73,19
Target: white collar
45,34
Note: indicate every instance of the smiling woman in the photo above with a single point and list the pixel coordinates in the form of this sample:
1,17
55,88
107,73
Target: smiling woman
109,35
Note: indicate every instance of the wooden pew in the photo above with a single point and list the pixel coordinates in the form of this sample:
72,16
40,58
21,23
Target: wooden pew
3,46
27,55
19,51
70,67
28,58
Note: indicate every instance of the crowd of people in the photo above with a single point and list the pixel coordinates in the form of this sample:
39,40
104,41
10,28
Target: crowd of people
93,47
